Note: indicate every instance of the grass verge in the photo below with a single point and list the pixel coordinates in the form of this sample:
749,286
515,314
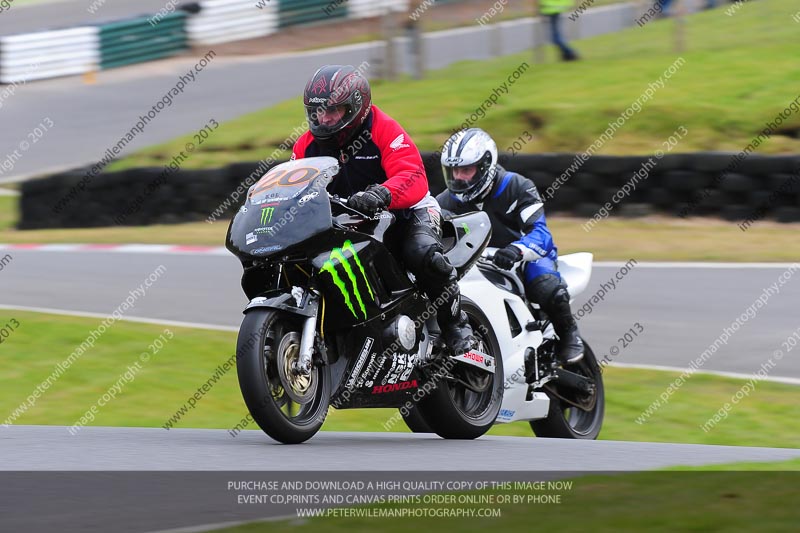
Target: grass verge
188,361
9,213
645,239
665,502
718,95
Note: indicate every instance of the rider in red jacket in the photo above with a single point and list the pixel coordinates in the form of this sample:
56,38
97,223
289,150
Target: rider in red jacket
381,168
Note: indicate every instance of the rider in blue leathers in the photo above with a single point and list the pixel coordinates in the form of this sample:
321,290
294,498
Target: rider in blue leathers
476,182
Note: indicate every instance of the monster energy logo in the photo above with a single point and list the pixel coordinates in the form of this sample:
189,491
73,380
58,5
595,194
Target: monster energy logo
338,254
266,215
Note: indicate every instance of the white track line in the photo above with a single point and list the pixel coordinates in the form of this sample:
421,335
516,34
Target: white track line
217,327
684,264
221,250
119,248
143,320
736,375
224,525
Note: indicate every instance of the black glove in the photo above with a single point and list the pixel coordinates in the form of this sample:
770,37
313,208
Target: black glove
369,202
506,257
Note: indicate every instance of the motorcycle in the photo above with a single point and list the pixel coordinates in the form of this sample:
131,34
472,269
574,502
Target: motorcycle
333,320
558,402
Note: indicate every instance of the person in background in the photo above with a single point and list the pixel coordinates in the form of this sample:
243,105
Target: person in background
553,9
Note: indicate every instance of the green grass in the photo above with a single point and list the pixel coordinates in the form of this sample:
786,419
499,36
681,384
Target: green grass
162,385
8,212
667,502
776,466
739,72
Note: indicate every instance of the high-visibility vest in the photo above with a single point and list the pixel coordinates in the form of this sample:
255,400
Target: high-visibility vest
550,7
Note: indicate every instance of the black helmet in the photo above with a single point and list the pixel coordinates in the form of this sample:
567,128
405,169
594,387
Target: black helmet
330,87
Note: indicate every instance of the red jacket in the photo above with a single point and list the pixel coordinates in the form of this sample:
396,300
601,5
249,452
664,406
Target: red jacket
382,152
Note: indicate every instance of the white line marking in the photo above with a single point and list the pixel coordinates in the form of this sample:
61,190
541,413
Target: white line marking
218,327
169,249
143,320
722,373
684,264
224,525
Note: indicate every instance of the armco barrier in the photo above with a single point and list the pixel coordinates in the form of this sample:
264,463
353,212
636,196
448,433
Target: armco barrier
294,12
373,8
47,54
137,40
671,186
222,21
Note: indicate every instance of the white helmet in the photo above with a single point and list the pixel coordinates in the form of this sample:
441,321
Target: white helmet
465,148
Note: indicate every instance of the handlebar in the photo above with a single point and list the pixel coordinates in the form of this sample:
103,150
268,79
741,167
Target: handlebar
335,198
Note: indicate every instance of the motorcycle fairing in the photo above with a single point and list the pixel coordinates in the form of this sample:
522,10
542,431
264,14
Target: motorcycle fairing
267,223
375,371
464,238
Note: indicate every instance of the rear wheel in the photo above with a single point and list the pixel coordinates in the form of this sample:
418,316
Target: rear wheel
574,415
288,407
466,399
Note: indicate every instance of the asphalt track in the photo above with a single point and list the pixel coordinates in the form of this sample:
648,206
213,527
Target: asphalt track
682,309
55,14
148,479
53,448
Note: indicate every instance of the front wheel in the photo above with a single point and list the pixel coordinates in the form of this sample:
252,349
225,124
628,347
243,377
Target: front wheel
465,401
289,408
573,415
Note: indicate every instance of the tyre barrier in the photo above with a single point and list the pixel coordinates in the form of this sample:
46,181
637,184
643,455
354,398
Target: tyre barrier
222,21
142,39
48,54
208,22
143,196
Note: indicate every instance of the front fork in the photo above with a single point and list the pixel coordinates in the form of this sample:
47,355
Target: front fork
304,361
301,302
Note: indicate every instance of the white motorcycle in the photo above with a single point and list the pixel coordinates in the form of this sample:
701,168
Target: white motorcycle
560,402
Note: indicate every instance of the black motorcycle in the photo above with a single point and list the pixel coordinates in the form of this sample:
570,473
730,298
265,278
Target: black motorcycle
334,320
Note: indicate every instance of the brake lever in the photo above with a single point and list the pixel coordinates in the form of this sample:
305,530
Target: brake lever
342,202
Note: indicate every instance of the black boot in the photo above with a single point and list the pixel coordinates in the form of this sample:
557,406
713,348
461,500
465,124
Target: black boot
456,330
551,294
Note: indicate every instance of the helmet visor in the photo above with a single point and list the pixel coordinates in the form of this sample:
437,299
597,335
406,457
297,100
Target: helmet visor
324,121
461,179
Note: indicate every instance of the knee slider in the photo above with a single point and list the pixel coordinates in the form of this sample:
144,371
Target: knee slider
438,264
439,269
543,288
561,295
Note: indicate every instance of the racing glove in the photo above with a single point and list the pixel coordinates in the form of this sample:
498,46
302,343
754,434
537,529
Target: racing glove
506,257
369,202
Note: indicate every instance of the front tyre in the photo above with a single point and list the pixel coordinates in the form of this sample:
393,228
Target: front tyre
573,415
289,408
466,400
415,421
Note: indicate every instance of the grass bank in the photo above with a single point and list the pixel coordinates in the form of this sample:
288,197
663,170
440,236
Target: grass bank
723,91
156,390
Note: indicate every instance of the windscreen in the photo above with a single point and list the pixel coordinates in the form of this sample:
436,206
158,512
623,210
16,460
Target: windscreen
287,206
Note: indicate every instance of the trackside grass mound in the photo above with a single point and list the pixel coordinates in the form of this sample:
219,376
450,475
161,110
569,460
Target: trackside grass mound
735,74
